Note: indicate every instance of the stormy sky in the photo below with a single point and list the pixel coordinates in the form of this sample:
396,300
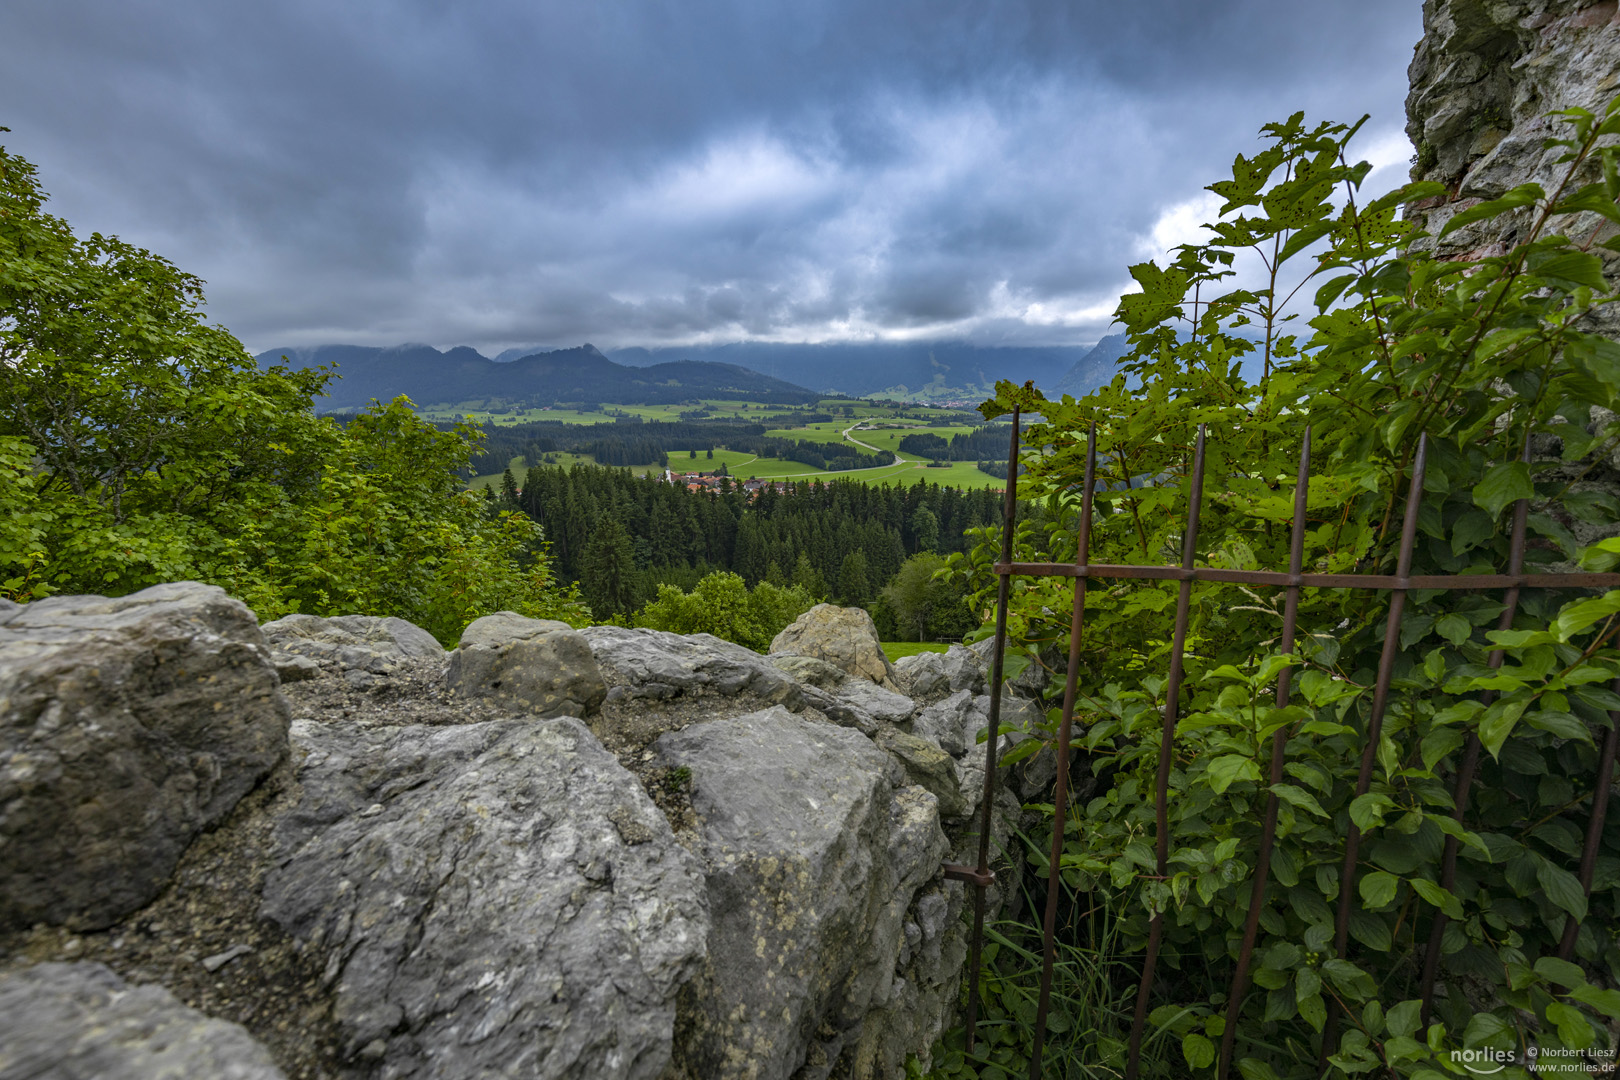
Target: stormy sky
645,172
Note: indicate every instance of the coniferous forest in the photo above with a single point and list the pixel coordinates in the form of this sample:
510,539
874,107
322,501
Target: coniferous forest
843,539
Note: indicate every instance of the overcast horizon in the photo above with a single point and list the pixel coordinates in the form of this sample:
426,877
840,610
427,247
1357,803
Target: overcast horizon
546,175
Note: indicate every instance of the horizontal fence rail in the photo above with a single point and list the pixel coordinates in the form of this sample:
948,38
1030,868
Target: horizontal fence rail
1399,584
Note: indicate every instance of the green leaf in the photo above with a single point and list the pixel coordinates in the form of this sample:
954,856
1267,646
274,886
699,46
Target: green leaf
1283,956
1606,1002
1314,1010
1450,827
1498,723
1367,811
1351,980
1298,796
1580,614
1561,972
1471,530
1590,198
1602,556
1521,196
1438,745
1572,268
1437,897
1199,1051
1561,724
1562,887
1404,1019
1378,889
1574,1029
1306,983
1504,484
1227,769
1255,1069
1454,628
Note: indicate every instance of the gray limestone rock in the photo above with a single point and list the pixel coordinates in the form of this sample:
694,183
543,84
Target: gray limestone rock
1483,80
930,676
293,667
659,665
927,766
126,727
1027,779
951,724
366,643
844,637
816,850
809,670
498,898
538,665
82,1022
885,706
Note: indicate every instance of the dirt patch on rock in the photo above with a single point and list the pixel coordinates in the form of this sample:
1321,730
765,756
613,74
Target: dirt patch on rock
210,908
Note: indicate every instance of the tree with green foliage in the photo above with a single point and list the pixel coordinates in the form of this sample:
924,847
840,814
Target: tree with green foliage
927,603
808,578
138,445
607,571
854,585
925,529
509,489
1481,357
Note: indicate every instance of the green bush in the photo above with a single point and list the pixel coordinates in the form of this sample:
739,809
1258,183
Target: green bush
723,605
1480,356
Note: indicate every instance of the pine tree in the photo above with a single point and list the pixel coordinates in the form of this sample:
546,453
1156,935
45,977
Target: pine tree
925,529
808,578
854,588
607,571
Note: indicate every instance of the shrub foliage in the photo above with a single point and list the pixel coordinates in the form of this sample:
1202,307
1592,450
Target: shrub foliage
1366,338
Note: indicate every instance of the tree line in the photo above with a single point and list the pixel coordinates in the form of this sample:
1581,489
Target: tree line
620,536
631,441
987,442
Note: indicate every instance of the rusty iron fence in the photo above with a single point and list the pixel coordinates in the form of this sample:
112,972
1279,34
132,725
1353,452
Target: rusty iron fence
1082,570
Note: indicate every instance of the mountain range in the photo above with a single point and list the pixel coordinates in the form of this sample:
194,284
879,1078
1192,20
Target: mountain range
583,374
783,373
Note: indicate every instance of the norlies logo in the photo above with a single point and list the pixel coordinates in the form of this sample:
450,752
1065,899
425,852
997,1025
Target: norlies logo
1485,1061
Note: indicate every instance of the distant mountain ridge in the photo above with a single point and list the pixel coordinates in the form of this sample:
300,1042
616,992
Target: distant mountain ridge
583,374
931,370
1092,370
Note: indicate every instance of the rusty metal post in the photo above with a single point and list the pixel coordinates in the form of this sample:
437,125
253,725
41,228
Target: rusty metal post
1375,727
1594,827
980,876
1167,738
1279,743
1077,618
1470,760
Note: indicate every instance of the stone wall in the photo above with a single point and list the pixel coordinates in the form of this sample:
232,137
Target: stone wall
615,855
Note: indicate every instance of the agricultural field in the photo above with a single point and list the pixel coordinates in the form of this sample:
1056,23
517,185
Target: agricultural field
504,416
889,424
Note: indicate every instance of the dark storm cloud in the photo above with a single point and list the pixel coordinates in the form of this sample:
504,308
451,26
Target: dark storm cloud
643,172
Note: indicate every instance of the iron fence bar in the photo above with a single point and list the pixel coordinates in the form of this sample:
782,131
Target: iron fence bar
1594,827
1375,728
1470,759
1071,687
1215,574
1172,701
980,876
1279,742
